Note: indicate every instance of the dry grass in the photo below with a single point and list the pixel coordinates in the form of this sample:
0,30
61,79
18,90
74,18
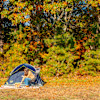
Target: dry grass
85,88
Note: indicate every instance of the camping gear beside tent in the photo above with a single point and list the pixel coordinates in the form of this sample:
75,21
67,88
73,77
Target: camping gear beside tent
16,75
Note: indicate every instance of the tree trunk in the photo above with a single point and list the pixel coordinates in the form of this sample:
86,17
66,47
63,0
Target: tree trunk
1,36
1,42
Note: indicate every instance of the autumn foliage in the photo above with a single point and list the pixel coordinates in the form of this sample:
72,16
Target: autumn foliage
62,37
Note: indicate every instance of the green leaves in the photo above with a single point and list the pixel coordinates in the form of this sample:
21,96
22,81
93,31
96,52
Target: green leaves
62,35
5,13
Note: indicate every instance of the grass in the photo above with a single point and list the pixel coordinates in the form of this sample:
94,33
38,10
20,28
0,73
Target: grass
2,81
83,88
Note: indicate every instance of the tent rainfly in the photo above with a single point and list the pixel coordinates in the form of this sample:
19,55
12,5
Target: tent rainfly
16,75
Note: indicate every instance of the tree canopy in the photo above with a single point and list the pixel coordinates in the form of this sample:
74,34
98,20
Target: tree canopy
61,36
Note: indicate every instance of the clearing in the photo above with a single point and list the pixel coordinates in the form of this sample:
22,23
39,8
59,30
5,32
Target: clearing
84,88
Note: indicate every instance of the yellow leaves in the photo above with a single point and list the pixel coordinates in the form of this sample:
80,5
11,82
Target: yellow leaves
76,57
79,53
48,33
43,55
94,3
35,33
30,7
20,36
15,15
16,9
27,12
53,12
78,46
32,47
4,13
14,18
13,57
20,4
19,0
27,19
16,48
17,18
54,7
15,45
26,49
80,24
46,10
11,0
98,68
64,3
27,28
6,46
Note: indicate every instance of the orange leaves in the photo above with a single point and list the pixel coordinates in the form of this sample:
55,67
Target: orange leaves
26,28
94,3
6,46
80,49
32,47
78,46
85,30
85,38
15,9
20,36
20,4
65,3
27,19
35,43
15,15
79,53
35,33
30,7
43,55
18,15
81,40
54,7
27,12
39,7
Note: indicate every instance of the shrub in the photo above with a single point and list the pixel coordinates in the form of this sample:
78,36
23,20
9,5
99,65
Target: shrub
90,64
59,61
12,58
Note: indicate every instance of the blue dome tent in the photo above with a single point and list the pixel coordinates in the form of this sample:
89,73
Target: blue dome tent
16,75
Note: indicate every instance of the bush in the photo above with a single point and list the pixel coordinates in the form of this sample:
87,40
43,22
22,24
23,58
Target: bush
59,61
12,58
90,64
